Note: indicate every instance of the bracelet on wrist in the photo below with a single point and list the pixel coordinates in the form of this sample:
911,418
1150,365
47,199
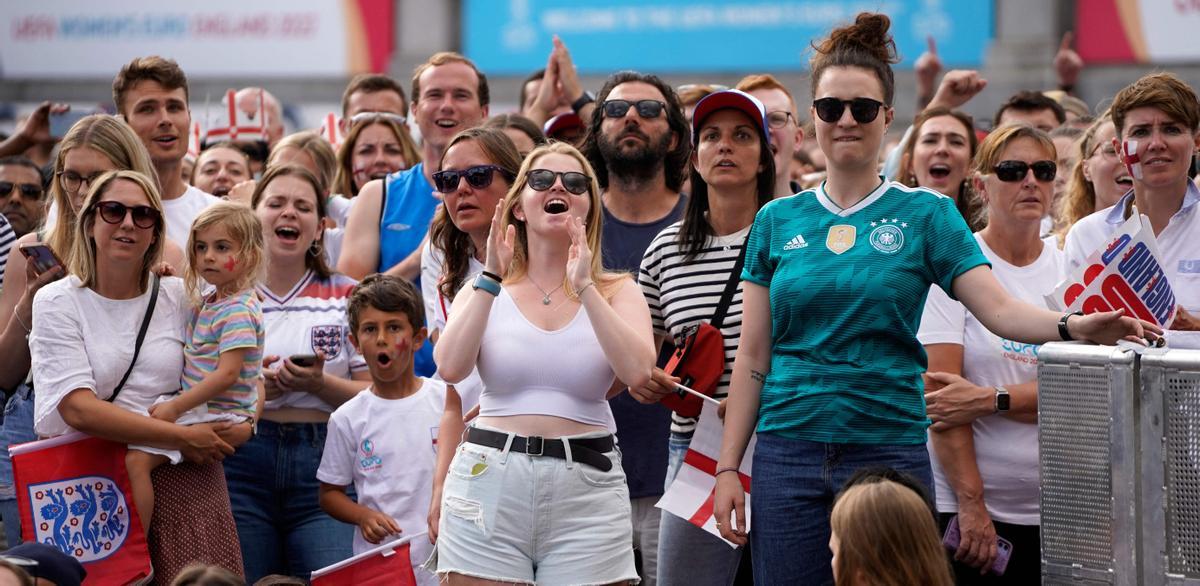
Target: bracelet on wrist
21,322
584,288
487,284
491,275
723,470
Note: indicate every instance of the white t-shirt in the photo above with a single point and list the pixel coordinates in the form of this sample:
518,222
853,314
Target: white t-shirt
1005,450
387,448
310,317
182,211
1179,245
338,209
82,340
437,311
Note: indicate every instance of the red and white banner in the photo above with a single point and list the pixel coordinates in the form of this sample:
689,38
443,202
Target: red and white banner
1126,273
386,565
73,493
1137,31
691,494
215,39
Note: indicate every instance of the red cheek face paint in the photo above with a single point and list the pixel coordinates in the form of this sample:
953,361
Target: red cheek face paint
230,264
403,345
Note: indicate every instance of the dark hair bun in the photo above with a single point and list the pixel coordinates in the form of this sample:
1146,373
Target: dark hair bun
869,34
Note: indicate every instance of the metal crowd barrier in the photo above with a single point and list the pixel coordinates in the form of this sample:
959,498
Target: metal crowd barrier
1119,439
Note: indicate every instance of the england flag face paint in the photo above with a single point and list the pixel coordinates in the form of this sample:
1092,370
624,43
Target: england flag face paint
1129,155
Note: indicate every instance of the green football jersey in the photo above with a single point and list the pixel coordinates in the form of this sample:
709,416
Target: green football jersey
847,288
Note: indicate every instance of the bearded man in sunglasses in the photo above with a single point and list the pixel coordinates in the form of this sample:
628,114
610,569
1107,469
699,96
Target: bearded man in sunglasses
638,143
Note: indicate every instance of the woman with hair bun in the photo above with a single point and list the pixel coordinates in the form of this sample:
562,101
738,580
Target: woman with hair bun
829,367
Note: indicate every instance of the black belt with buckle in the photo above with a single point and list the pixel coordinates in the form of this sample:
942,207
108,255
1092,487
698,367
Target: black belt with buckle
590,451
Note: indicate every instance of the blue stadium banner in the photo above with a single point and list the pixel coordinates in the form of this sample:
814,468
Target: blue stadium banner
513,37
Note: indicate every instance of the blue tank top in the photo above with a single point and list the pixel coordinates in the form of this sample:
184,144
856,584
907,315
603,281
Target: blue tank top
408,208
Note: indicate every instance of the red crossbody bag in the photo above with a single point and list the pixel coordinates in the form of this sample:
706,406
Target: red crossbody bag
699,357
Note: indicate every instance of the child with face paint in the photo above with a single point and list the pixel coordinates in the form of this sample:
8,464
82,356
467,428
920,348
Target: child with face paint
384,440
224,342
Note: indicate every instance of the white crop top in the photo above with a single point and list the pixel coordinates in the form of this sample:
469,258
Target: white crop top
530,371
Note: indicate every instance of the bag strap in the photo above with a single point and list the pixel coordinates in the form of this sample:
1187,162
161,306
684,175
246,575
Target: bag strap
137,346
735,277
383,202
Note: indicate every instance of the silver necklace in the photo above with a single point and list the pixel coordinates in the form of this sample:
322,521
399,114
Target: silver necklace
545,295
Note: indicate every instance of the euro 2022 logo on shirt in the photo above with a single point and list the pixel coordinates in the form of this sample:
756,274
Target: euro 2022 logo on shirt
86,518
327,340
367,460
887,236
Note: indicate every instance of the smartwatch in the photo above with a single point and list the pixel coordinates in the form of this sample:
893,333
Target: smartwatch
1003,400
585,99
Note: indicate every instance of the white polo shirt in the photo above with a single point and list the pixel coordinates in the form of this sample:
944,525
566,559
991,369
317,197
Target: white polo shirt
1179,244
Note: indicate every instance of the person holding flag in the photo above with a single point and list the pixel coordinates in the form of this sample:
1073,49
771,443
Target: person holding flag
1157,119
829,367
684,275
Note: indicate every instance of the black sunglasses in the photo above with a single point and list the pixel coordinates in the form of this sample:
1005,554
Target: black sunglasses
572,181
1010,171
645,108
114,212
479,177
28,190
864,110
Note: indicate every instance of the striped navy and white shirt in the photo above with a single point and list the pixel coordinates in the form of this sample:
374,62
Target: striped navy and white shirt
684,292
8,237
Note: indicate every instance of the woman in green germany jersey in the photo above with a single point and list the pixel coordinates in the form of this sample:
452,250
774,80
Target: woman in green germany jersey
829,368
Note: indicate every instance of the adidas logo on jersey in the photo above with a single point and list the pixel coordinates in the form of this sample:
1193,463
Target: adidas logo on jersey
796,242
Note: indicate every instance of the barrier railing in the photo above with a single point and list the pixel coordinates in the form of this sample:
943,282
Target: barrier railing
1119,439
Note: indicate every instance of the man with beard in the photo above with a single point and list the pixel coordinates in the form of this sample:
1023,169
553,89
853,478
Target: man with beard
219,168
639,144
151,95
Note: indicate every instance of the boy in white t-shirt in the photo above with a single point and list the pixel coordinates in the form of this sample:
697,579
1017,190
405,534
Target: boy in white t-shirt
384,440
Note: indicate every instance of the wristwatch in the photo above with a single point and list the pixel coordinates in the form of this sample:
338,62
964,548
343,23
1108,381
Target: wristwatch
1003,400
585,99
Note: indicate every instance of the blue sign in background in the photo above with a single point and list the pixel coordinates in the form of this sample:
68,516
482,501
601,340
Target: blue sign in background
513,37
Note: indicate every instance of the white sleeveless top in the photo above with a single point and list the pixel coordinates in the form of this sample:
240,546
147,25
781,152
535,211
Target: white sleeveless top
530,371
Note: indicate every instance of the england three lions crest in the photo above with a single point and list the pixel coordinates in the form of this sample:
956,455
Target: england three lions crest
86,518
328,340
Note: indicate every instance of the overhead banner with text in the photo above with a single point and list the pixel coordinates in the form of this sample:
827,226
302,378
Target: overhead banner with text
514,37
215,38
1137,31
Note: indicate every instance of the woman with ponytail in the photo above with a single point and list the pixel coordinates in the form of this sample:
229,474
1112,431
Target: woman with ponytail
829,368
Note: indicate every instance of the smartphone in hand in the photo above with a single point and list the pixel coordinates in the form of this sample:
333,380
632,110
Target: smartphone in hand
40,256
305,360
62,122
1004,547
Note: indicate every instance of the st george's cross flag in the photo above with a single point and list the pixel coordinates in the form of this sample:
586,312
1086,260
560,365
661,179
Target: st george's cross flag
386,565
691,494
73,493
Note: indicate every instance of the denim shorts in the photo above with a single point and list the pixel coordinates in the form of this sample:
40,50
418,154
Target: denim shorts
512,517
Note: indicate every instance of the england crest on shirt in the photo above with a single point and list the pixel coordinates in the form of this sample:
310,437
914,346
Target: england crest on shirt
327,340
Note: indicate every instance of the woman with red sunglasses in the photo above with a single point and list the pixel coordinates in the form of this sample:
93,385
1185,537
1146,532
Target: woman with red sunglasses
829,367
